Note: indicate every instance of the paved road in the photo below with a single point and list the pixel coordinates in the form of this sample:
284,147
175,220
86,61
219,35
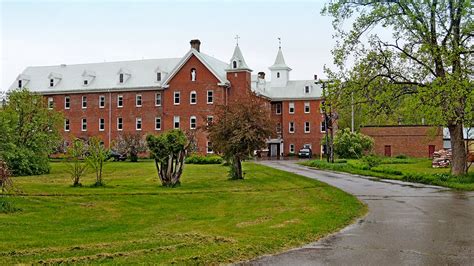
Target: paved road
407,224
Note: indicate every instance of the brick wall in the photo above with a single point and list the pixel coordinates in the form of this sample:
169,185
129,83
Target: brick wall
413,141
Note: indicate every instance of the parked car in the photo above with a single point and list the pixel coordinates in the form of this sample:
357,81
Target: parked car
305,153
117,156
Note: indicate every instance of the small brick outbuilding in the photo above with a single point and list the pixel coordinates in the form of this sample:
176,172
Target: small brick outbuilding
413,141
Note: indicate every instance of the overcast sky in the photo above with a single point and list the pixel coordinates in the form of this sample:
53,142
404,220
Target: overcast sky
36,33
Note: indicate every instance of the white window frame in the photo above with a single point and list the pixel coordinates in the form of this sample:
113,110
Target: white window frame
67,102
68,124
51,82
119,123
212,97
50,103
307,127
209,118
138,121
101,124
158,99
291,105
176,119
84,102
138,97
209,150
191,122
307,105
290,126
321,126
291,148
278,109
83,123
176,93
119,99
191,97
158,118
158,76
101,100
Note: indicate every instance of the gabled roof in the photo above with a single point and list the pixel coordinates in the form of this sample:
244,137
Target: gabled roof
214,65
294,89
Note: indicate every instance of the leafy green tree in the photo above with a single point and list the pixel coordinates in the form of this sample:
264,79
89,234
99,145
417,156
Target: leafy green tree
240,128
96,156
349,144
29,133
169,151
426,65
74,162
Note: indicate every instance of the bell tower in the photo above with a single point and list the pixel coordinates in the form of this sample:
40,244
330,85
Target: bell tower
238,74
279,70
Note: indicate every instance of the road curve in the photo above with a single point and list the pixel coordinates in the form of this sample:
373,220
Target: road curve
407,224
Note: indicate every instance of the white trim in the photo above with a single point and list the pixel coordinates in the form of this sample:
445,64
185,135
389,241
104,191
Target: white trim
138,119
84,100
309,127
208,149
291,105
67,107
291,148
103,129
289,127
50,103
207,97
82,124
176,119
100,98
278,106
119,129
156,98
190,97
174,97
156,119
191,124
307,104
68,124
119,97
321,126
136,100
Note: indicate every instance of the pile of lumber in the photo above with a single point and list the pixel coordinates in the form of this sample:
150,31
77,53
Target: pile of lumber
441,159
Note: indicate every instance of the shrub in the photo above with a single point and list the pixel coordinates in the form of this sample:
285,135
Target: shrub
349,144
7,207
401,156
358,165
340,161
200,159
372,161
385,170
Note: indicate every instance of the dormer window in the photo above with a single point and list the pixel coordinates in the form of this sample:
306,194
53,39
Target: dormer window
121,78
19,83
278,74
86,82
193,74
234,64
87,77
51,82
158,76
307,89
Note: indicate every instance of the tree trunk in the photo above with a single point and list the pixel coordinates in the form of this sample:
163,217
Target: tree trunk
459,160
237,168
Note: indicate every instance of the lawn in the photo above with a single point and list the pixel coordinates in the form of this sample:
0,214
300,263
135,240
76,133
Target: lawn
416,170
209,219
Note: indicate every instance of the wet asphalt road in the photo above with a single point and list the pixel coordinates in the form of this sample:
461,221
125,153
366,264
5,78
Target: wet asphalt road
407,224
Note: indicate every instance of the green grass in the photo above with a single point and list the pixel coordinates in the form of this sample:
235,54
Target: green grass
209,219
410,169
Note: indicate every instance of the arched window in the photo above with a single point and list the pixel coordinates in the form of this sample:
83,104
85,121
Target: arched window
193,97
234,64
278,74
193,74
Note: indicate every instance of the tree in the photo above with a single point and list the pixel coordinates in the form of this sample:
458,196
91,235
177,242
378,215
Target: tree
349,144
240,128
169,151
29,133
96,156
75,165
426,65
130,144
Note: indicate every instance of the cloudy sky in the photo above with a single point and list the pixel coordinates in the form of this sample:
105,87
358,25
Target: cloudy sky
35,33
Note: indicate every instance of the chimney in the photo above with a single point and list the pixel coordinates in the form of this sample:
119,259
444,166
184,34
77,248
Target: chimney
261,75
195,44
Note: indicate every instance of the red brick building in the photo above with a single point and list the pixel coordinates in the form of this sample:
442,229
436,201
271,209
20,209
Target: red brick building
155,95
413,141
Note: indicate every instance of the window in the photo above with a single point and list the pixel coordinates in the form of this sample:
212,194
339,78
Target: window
193,97
210,118
158,99
292,148
291,127
291,108
101,124
278,128
138,123
306,89
84,101
278,108
321,107
307,128
157,123
119,123
119,101
66,125
158,76
101,101
210,97
278,74
50,103
234,64
306,108
84,124
193,74
138,100
121,78
67,102
86,82
176,97
192,122
19,83
209,147
51,82
176,122
323,126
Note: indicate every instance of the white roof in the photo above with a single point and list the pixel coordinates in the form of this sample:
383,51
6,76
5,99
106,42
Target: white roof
294,89
279,62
